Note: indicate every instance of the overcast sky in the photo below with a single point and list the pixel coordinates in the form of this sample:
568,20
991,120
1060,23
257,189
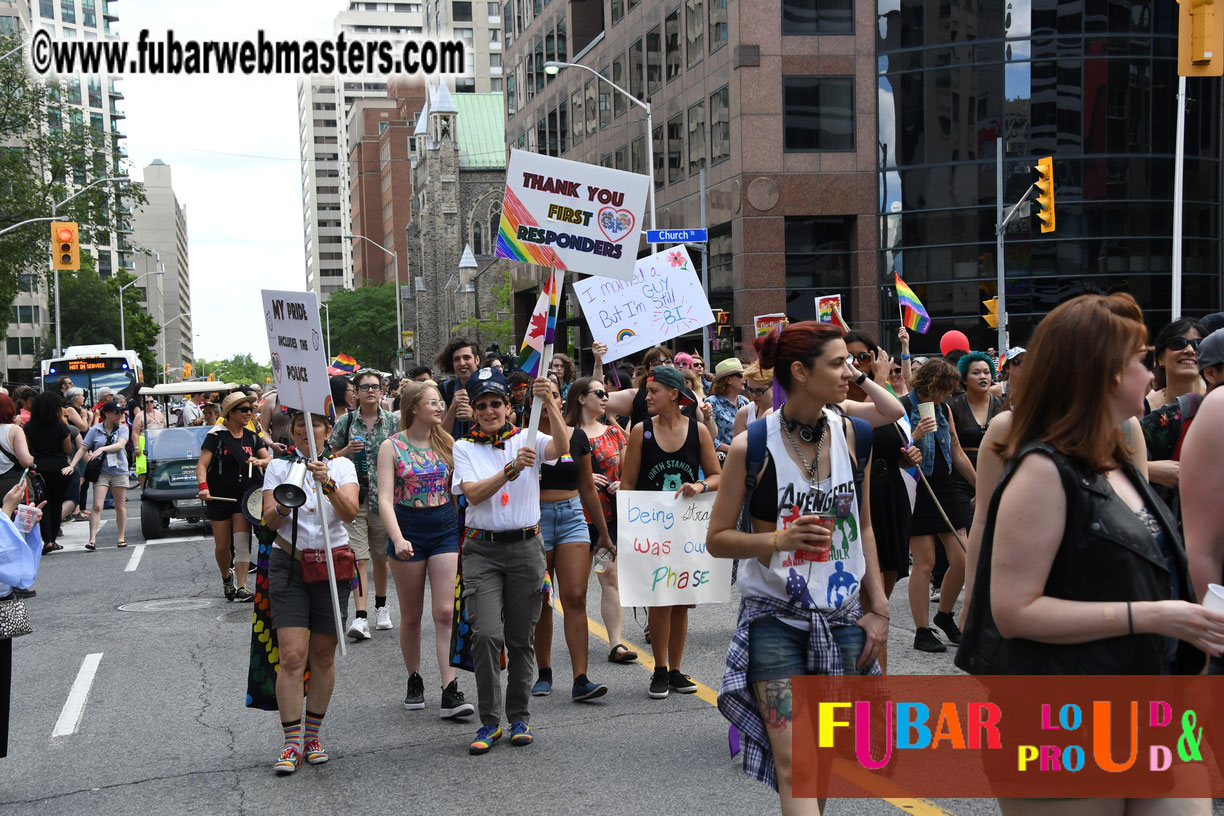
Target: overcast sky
232,145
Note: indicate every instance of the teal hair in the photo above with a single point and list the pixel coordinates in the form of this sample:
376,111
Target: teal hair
975,357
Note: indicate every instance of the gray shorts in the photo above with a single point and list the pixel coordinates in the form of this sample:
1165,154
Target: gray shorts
113,480
297,603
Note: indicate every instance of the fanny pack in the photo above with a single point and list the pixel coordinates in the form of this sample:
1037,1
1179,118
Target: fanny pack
314,562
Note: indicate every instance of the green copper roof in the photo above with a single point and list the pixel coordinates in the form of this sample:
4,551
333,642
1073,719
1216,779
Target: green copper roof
482,130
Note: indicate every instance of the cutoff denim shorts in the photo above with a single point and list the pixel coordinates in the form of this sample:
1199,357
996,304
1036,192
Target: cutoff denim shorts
431,530
778,651
563,522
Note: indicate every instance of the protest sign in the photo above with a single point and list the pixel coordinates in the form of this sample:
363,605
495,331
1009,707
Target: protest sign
766,323
664,299
295,340
661,551
826,305
571,216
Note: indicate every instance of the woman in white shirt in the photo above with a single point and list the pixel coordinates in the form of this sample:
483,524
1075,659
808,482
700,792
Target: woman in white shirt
302,612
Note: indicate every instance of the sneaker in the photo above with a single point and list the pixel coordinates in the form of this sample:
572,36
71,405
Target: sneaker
584,689
947,624
315,754
935,594
384,619
925,641
453,703
485,737
244,595
542,687
658,684
680,682
359,629
231,591
290,759
414,700
520,734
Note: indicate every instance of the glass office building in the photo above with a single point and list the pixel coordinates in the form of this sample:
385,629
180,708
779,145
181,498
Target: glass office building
1091,83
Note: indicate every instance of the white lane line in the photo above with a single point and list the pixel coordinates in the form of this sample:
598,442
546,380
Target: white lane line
134,561
74,707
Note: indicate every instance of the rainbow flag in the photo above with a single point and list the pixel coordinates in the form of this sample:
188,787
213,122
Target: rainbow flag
343,364
913,314
542,329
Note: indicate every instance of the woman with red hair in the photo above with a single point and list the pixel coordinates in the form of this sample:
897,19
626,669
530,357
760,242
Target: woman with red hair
14,452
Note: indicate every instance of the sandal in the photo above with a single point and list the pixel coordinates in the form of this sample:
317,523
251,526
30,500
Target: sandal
52,547
91,546
121,544
626,655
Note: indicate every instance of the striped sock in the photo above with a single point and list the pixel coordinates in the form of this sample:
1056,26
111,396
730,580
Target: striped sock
313,723
293,732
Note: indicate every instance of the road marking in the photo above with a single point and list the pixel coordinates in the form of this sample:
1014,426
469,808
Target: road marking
134,561
887,791
74,707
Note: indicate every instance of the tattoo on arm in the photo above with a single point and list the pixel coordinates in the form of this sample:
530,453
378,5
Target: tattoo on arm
774,702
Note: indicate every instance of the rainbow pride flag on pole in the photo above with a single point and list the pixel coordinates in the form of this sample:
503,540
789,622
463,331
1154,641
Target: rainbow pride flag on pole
913,314
542,329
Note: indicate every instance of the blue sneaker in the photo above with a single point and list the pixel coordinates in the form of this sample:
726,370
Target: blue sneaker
542,687
584,689
485,737
520,734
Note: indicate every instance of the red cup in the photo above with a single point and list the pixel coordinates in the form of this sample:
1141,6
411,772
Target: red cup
826,520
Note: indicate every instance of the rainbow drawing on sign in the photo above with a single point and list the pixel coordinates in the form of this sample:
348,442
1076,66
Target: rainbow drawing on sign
625,334
515,214
328,408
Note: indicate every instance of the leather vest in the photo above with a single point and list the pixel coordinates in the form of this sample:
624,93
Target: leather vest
1106,554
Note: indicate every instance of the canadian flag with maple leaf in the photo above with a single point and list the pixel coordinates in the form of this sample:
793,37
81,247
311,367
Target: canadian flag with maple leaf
542,327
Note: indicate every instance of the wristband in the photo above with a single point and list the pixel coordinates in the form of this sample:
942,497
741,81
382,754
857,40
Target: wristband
705,488
329,487
1130,619
279,513
862,378
510,473
873,612
905,356
775,541
203,485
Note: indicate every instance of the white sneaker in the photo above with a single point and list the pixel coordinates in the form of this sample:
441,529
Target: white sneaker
384,619
359,629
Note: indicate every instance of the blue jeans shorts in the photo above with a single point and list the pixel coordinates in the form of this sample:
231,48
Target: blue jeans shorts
431,531
563,523
778,651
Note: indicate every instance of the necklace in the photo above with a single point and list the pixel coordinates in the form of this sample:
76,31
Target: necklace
818,432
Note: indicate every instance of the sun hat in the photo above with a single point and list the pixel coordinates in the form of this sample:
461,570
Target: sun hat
727,367
233,400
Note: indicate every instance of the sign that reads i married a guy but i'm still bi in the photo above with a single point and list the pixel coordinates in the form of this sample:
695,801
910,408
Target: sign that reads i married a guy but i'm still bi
295,340
572,216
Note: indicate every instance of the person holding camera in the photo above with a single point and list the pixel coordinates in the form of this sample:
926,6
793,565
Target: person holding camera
357,437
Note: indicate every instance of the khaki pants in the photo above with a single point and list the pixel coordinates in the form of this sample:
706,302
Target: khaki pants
503,580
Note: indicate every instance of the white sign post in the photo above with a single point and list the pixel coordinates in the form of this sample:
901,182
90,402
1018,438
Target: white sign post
571,216
299,374
661,550
663,299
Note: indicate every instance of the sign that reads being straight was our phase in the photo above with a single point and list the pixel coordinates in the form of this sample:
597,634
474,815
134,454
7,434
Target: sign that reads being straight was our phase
295,340
571,216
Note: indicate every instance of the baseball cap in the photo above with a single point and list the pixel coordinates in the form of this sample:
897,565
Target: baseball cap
1211,350
1013,353
488,381
669,377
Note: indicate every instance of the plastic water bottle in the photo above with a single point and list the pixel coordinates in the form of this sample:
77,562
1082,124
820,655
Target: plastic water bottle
603,557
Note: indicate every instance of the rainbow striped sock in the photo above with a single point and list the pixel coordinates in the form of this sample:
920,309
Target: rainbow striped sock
313,723
293,732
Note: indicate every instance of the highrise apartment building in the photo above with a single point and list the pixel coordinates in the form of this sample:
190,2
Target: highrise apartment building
160,226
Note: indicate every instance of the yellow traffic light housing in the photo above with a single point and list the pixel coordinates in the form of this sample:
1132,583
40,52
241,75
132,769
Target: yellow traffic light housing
992,307
65,246
186,371
1045,192
1200,38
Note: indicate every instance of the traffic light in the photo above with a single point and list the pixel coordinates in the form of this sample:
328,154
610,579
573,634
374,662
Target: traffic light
65,246
992,306
212,376
186,371
1200,38
1045,192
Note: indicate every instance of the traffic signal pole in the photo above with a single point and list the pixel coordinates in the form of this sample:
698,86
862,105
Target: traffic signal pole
1179,183
1003,221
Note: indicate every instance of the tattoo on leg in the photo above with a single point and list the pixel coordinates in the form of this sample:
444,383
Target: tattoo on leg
774,700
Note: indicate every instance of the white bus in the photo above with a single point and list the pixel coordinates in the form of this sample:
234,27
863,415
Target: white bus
94,367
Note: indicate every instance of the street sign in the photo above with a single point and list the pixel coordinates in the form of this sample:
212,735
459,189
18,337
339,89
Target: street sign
675,236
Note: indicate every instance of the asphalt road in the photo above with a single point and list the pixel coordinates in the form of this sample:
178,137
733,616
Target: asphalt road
163,728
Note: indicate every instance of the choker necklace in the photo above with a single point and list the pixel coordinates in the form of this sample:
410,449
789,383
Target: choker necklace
808,434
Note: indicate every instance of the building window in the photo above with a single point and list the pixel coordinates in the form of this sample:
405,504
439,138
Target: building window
818,113
618,11
461,11
619,103
718,24
495,61
95,92
494,10
637,156
591,108
495,84
675,148
553,132
605,100
462,34
494,223
467,85
477,243
550,54
511,102
89,14
606,161
635,69
656,140
696,138
563,126
694,30
68,11
720,126
561,43
671,35
20,345
46,9
654,61
817,16
621,160
508,24
74,88
818,255
576,116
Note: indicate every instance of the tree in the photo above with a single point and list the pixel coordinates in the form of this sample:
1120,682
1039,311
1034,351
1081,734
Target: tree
241,369
363,325
89,312
498,328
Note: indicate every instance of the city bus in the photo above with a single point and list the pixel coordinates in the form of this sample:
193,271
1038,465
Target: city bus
93,368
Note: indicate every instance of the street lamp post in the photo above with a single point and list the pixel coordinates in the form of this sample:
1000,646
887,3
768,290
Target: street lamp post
160,270
163,340
554,67
399,318
327,311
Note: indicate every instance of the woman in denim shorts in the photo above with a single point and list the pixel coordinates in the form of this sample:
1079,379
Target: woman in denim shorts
414,502
567,549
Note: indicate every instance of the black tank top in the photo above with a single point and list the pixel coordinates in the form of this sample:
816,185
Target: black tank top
668,470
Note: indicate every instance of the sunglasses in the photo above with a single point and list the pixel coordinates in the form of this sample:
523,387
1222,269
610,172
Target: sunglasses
757,392
862,356
1179,343
599,392
896,372
697,364
243,409
481,407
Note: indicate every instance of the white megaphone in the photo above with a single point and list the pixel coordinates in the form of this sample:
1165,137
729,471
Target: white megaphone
292,491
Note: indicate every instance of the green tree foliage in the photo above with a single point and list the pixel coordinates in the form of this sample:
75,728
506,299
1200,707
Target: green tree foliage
90,313
363,325
496,328
241,369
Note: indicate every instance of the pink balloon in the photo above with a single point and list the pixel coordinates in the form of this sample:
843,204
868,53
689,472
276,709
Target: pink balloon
953,340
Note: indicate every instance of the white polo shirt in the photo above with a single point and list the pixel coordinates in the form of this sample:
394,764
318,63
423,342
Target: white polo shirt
517,504
310,529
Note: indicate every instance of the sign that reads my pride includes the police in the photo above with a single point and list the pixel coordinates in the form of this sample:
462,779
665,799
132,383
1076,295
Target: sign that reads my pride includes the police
571,216
295,340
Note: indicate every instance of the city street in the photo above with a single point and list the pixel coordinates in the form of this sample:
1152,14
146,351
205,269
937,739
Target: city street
163,728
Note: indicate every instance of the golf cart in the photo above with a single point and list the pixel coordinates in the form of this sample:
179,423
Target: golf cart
171,487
